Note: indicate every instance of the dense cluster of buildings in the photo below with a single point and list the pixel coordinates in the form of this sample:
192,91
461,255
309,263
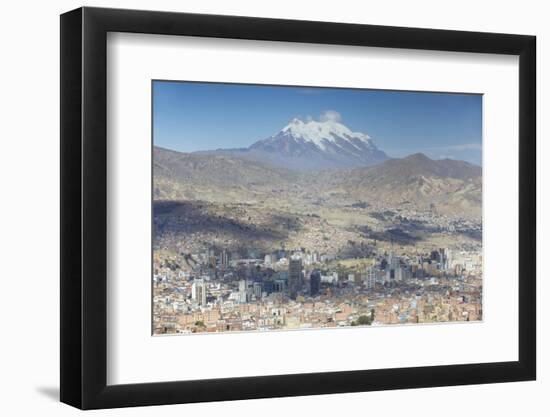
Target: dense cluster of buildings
219,291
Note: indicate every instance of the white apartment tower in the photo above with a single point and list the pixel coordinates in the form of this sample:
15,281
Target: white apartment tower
198,292
370,277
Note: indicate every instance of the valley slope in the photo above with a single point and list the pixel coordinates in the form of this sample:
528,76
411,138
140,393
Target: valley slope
234,202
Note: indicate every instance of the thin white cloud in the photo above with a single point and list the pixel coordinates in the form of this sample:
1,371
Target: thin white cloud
330,116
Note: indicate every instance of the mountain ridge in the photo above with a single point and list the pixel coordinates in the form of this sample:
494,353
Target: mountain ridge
312,146
454,186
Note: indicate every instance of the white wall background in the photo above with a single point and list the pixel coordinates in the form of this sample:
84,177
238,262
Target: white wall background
29,225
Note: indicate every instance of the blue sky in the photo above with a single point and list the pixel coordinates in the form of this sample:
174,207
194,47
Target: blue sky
189,116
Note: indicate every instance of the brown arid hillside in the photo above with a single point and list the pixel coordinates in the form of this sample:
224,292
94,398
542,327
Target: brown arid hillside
448,186
190,176
229,200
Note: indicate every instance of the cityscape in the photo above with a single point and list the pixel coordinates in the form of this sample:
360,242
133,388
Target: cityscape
299,291
315,226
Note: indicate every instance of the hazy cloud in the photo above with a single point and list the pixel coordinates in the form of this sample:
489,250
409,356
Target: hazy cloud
330,115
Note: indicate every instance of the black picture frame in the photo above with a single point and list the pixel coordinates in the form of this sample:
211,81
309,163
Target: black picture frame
84,207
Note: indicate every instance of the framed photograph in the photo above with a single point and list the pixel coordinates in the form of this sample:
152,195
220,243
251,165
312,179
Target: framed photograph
259,208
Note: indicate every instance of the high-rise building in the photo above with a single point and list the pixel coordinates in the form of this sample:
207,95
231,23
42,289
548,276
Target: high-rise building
294,276
399,275
393,260
267,287
212,261
243,291
278,285
370,277
448,258
392,268
224,259
257,289
314,283
198,292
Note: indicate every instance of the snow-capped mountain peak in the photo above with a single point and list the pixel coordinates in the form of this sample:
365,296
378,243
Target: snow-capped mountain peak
321,132
322,144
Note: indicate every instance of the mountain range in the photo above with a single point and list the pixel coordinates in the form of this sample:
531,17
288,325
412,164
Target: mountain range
220,176
315,185
454,187
312,146
323,161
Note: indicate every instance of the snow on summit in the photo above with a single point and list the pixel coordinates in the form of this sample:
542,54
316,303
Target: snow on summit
317,144
318,132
